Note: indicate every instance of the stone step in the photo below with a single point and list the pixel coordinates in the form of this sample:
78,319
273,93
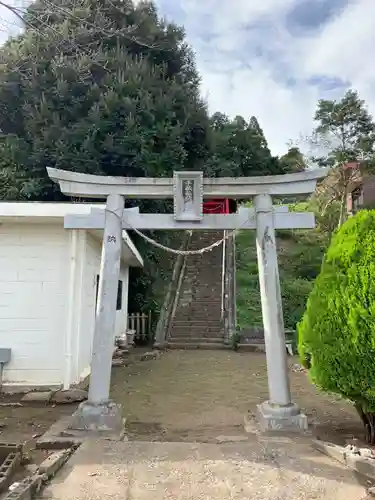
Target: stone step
201,284
212,319
205,271
198,332
213,254
209,291
198,319
199,301
199,323
203,315
190,329
202,324
204,265
200,307
199,327
211,272
199,297
197,340
204,295
201,345
198,259
205,242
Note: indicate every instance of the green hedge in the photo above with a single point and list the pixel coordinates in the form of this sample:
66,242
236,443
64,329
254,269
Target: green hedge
337,332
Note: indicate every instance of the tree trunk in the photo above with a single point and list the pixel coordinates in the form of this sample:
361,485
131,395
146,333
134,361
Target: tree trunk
343,210
368,420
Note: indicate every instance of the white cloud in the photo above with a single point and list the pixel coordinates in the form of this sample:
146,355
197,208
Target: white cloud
10,25
248,59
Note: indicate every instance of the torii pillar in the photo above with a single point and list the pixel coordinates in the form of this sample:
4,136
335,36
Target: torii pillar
279,412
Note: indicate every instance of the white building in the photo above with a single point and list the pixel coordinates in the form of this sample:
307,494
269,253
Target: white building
48,289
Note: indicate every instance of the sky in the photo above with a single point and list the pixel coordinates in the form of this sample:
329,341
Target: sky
275,58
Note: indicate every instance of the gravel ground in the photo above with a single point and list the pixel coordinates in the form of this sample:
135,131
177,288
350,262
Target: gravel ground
198,395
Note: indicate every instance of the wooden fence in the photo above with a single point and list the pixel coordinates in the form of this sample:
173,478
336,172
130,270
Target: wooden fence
141,323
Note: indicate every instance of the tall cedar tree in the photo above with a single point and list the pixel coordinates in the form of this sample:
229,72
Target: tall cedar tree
100,87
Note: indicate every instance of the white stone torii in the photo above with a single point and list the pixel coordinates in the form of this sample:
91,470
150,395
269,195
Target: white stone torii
188,189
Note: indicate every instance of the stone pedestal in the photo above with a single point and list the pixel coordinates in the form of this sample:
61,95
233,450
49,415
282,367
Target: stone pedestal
98,418
281,418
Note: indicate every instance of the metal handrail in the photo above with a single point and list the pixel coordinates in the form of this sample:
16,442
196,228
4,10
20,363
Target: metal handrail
223,275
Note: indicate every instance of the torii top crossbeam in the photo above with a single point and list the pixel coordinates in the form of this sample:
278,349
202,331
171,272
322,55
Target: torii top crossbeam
95,186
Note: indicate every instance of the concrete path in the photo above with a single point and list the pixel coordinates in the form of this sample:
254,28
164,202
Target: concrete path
257,469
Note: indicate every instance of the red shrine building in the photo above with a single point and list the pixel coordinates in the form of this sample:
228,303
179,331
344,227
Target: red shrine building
220,206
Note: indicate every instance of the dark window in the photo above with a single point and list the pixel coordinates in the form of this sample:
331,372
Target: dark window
119,294
97,291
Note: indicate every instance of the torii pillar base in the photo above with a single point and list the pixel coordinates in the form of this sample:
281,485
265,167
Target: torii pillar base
98,418
281,418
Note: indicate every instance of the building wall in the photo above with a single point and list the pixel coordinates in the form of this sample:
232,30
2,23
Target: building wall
89,273
368,191
47,303
33,290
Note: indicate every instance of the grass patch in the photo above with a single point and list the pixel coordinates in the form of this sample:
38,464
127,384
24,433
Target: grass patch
300,254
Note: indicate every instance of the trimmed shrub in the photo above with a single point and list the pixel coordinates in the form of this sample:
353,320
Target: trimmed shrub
336,336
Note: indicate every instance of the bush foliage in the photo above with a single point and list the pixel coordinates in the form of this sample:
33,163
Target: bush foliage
337,331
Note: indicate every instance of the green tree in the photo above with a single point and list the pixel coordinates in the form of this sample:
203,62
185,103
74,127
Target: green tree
257,131
239,149
337,332
293,160
87,96
345,134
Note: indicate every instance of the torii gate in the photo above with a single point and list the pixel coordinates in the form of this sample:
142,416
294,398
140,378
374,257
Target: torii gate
188,189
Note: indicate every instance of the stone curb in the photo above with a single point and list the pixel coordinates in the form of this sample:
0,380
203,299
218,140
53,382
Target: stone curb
160,346
57,443
26,489
37,397
363,465
7,469
59,397
69,396
149,356
54,462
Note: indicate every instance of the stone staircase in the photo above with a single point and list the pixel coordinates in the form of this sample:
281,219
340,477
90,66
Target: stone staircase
197,322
